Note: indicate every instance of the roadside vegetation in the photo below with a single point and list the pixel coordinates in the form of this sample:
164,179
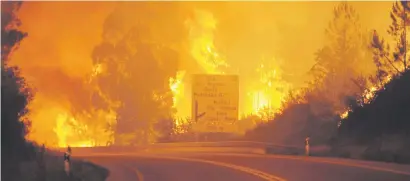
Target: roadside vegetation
358,102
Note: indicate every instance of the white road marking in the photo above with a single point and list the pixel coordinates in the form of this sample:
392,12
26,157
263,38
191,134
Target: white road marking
257,173
319,160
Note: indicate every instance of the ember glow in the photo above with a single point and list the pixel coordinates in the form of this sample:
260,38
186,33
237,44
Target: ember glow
369,94
78,100
269,93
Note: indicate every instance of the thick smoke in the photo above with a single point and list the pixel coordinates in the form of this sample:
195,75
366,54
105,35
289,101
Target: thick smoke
339,66
56,62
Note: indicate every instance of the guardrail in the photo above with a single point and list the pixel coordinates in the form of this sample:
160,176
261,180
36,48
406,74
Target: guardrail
222,143
266,148
224,146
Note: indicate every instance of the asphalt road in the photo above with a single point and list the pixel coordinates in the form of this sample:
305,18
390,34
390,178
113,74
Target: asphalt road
155,169
244,167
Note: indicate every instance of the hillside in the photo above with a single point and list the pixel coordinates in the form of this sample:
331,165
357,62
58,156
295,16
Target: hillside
383,126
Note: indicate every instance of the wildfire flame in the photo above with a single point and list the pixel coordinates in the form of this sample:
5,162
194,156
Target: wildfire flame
264,93
176,86
202,49
268,95
64,132
368,95
264,97
201,31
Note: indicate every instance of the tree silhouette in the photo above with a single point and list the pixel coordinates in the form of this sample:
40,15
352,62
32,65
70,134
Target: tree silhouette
344,55
334,86
388,112
15,96
396,61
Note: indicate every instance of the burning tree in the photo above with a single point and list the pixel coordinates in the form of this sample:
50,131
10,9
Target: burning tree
387,114
391,64
136,69
388,63
315,110
345,57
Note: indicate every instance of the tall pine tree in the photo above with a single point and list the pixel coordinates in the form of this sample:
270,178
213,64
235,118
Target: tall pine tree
396,61
344,57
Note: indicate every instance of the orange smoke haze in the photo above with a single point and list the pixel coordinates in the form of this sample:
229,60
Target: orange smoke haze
56,59
270,45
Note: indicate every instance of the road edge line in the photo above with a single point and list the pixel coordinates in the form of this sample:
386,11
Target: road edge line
311,159
251,171
139,174
344,163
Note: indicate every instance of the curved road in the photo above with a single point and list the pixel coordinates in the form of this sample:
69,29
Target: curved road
126,168
245,167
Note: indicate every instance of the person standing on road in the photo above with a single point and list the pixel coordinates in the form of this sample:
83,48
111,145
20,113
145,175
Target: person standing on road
307,146
67,159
